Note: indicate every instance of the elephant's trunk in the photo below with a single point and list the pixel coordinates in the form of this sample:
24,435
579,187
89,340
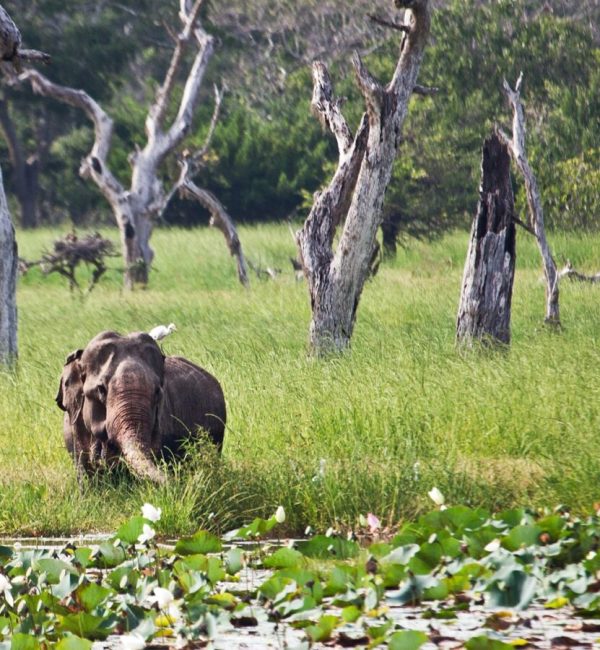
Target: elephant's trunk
131,428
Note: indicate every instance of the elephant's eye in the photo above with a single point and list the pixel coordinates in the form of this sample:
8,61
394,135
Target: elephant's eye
101,391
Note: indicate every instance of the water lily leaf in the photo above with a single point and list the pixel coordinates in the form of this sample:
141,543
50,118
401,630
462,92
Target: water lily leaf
284,558
485,643
401,555
131,530
6,554
351,614
257,528
272,587
234,560
201,542
21,641
323,547
83,557
324,628
54,569
411,591
88,626
224,600
557,603
517,590
407,640
111,555
91,595
522,536
73,642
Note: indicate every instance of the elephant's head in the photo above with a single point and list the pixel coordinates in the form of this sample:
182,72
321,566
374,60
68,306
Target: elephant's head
115,386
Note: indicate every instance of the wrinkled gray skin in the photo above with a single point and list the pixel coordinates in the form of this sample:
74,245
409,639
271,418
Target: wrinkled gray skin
123,399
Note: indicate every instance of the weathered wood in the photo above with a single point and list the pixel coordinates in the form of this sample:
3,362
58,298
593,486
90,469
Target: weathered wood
10,44
569,272
516,146
355,194
486,295
136,207
8,284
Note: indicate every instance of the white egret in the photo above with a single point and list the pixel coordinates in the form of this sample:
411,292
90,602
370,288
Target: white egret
159,332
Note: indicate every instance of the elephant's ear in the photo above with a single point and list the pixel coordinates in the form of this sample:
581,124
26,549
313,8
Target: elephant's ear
70,390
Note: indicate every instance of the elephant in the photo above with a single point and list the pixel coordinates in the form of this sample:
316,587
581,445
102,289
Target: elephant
123,399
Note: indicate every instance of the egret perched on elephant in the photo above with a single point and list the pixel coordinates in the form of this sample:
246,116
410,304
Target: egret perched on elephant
124,399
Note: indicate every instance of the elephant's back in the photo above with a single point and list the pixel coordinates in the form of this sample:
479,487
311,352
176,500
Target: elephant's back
196,397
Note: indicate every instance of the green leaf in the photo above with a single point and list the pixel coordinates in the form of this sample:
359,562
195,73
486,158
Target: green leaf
516,590
24,642
201,542
83,556
284,558
111,555
323,548
91,595
54,568
88,626
324,628
351,614
73,642
407,640
401,555
130,531
485,643
234,560
522,537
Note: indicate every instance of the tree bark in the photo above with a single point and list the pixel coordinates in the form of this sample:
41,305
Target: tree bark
516,146
355,194
136,207
485,300
8,284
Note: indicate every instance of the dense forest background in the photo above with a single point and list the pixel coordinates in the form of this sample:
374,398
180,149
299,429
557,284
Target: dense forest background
269,153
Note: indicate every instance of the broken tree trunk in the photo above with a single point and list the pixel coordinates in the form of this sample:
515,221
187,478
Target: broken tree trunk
516,146
485,299
355,194
8,284
136,208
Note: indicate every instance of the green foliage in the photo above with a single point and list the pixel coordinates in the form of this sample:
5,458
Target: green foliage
163,591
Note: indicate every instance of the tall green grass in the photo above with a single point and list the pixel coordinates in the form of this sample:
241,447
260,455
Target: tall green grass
402,412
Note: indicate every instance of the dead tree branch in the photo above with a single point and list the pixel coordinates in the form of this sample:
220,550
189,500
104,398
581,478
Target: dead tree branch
517,149
10,44
569,272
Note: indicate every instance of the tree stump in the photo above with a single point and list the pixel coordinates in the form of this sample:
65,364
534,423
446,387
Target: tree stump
485,300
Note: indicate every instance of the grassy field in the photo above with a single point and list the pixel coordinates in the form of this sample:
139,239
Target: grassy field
401,413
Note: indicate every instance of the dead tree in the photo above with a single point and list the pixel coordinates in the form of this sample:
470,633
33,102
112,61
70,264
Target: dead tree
516,146
8,284
486,296
69,252
355,194
135,208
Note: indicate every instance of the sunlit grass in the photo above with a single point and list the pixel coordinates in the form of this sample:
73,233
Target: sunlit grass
402,412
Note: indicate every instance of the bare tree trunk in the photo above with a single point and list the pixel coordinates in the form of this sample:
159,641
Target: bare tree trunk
135,208
516,146
25,170
8,284
485,300
355,194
